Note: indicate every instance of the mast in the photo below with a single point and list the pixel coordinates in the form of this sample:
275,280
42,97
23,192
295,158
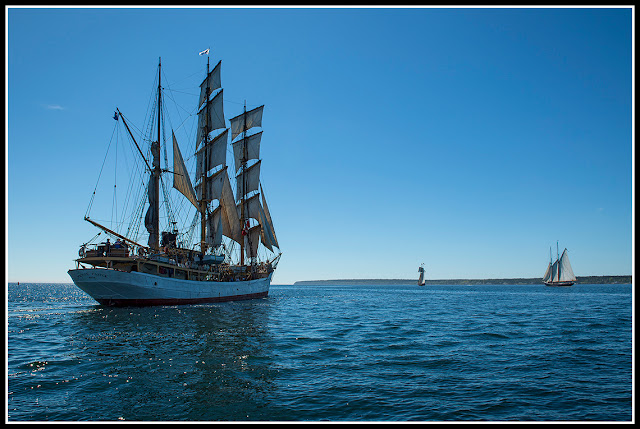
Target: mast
558,254
203,181
156,172
244,184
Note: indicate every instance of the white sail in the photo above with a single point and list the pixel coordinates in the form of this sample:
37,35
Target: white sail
215,183
266,235
253,148
252,239
216,116
268,222
566,273
214,228
251,179
554,271
181,179
251,207
245,121
216,151
213,81
421,277
230,221
547,274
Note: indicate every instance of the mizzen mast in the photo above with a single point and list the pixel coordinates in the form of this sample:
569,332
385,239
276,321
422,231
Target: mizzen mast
152,217
243,216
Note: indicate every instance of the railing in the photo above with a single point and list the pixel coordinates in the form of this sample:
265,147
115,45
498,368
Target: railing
116,249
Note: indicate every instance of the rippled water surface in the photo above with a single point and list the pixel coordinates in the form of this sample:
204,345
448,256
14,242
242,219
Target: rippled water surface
338,353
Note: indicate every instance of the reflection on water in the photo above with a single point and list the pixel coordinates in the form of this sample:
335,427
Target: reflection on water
203,362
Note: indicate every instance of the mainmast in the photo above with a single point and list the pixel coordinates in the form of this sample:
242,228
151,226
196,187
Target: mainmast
248,180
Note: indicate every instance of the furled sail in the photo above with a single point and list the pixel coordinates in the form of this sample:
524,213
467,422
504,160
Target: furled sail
252,118
251,179
150,217
212,81
253,148
181,179
216,151
566,273
216,116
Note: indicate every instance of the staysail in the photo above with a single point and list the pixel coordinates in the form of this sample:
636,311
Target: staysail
270,233
181,179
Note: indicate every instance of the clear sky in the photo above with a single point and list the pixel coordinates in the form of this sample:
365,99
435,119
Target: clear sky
467,139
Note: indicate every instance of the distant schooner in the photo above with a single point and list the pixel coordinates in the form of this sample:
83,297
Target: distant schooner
174,268
559,273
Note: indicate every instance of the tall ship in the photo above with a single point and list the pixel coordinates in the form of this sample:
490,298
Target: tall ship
559,273
204,240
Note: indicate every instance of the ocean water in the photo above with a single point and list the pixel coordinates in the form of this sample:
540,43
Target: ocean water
325,353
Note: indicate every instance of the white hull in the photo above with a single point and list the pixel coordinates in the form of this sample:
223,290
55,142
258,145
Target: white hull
119,288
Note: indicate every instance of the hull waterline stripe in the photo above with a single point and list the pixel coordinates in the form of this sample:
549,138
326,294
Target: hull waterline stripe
177,301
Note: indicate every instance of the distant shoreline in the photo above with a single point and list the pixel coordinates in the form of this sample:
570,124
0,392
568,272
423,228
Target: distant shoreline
469,282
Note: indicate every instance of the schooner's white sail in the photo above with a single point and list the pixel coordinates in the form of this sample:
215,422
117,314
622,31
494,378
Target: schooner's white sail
421,276
168,269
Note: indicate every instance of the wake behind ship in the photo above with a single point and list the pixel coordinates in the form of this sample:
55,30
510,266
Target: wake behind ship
209,243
